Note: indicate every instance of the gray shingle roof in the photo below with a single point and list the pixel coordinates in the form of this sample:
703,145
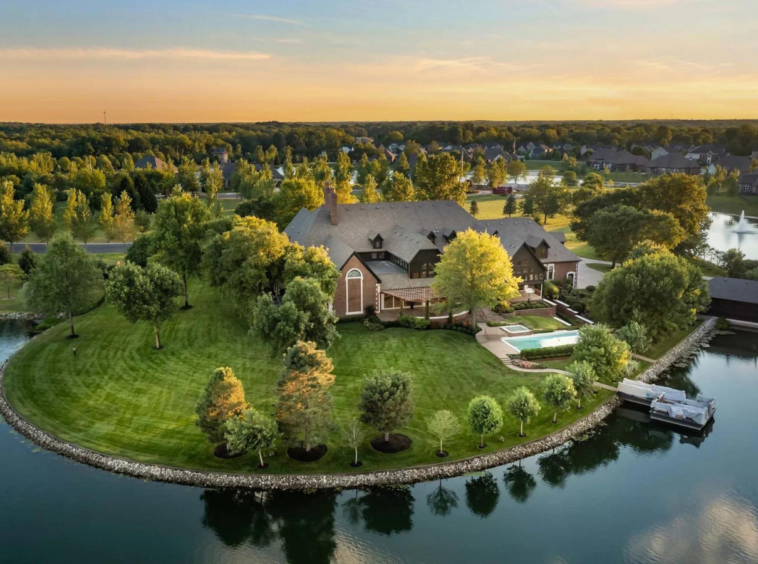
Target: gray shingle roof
675,161
735,289
154,162
403,226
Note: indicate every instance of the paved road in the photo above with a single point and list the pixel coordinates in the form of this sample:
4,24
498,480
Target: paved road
91,247
589,276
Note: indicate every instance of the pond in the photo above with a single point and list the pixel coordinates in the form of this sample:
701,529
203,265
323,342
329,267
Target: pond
634,492
723,235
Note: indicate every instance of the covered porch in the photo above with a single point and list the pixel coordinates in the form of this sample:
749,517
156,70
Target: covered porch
419,302
528,293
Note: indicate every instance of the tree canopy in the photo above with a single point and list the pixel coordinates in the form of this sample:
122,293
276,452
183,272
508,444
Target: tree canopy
387,401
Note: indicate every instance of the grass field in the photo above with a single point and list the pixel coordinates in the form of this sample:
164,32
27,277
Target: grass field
734,204
660,348
538,322
119,396
491,207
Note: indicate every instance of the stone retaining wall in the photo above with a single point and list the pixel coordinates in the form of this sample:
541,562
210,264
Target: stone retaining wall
327,481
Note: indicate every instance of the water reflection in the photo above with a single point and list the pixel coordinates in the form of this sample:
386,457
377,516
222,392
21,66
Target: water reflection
387,511
441,501
482,494
519,482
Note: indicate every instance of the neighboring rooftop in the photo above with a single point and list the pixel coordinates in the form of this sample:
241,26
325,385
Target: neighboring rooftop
734,289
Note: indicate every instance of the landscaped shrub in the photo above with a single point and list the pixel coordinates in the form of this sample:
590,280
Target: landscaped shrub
530,305
412,322
578,307
372,325
550,290
722,324
5,255
548,352
590,288
462,329
45,324
502,308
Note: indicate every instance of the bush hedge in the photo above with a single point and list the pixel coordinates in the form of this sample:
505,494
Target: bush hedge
412,322
547,352
530,305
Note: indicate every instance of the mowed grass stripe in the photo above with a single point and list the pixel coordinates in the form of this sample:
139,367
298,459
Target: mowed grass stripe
119,396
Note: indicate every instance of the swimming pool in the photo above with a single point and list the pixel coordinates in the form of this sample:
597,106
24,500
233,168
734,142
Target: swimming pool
554,339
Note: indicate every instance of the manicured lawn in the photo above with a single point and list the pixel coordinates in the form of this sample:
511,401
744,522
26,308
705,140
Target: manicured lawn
491,207
121,397
637,177
540,164
538,322
734,204
600,267
660,348
581,249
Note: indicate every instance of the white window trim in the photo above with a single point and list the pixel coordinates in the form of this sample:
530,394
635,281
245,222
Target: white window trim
384,303
551,272
572,275
347,291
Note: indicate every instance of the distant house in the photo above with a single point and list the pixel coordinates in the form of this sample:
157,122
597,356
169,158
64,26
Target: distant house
151,162
276,173
387,252
396,147
221,155
389,155
734,298
227,170
706,154
618,161
494,153
749,183
364,140
730,163
658,152
674,163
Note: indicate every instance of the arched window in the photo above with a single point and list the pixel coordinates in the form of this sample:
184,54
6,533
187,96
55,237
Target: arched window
354,291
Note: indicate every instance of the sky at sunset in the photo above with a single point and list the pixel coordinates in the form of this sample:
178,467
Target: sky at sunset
190,61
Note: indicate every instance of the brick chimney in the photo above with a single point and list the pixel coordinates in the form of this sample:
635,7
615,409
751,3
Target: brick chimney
333,206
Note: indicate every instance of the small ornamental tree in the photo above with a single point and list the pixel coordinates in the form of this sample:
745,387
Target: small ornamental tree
559,393
27,260
304,409
222,399
354,436
510,205
523,406
485,417
66,281
14,219
106,214
41,216
145,294
474,208
387,401
251,431
606,354
10,273
443,425
123,219
584,378
78,216
635,335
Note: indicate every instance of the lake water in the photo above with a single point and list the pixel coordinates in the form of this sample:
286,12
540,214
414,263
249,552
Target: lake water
635,492
722,235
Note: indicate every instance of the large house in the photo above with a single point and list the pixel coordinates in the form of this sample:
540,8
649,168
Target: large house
749,183
673,163
154,163
386,252
618,161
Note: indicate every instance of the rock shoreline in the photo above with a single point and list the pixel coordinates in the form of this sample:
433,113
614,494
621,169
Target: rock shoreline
411,475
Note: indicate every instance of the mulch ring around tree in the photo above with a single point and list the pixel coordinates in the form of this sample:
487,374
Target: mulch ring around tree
442,454
302,455
221,451
396,443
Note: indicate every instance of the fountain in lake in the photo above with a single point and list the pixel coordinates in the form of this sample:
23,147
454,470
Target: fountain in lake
743,226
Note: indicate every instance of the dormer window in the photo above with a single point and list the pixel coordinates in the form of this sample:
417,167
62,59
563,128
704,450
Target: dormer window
376,241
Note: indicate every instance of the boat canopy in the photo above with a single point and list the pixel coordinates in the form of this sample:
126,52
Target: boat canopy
642,390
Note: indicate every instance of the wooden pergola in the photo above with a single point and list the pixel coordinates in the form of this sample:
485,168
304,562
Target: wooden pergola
423,295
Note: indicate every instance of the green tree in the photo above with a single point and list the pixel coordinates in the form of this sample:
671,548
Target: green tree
251,431
90,181
681,195
403,167
27,260
354,437
14,220
527,205
312,263
222,399
106,214
516,169
304,408
439,178
476,271
387,401
549,198
66,281
663,291
485,417
733,261
570,179
245,261
289,168
509,208
370,193
497,173
635,335
583,376
605,353
144,294
559,393
123,219
141,250
178,233
303,315
442,426
78,216
10,273
523,406
474,208
187,175
142,221
398,189
479,173
295,194
41,215
343,177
